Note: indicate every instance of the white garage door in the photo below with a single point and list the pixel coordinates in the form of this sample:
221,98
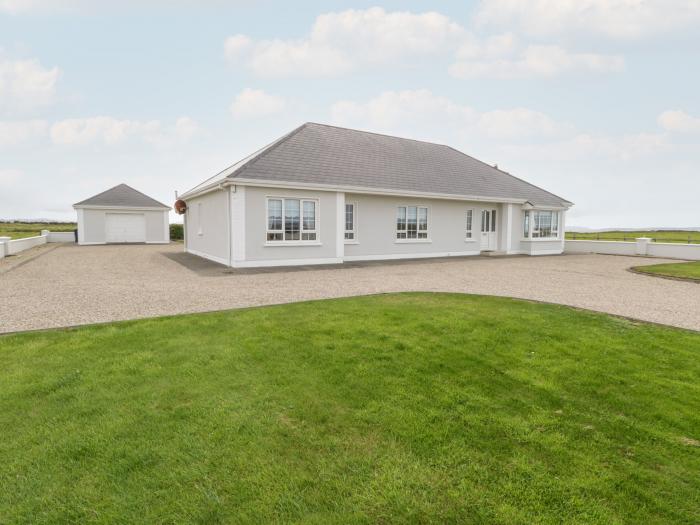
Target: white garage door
125,227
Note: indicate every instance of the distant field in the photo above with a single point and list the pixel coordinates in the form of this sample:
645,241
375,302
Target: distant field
20,230
658,236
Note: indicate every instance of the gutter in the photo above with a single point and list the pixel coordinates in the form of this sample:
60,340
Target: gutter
207,189
362,190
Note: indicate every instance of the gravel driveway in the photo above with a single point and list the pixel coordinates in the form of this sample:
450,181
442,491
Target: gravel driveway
74,285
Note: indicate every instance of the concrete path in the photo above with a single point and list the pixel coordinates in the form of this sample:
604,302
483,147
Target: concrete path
74,285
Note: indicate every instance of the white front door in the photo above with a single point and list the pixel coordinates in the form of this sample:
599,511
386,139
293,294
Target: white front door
488,230
125,227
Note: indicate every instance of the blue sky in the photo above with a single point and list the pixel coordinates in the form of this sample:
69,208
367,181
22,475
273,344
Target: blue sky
595,100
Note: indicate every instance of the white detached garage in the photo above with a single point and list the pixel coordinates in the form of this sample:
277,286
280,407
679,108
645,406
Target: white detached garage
122,215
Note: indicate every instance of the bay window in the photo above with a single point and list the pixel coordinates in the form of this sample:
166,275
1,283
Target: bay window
291,220
542,224
412,223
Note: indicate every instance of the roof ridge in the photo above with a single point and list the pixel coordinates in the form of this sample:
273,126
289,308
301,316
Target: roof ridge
509,174
101,193
141,193
379,134
265,150
117,186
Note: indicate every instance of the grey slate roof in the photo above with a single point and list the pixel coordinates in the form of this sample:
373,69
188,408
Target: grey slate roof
122,196
329,155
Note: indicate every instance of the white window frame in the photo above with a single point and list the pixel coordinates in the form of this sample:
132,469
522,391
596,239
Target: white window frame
199,219
352,240
302,231
469,225
406,240
533,233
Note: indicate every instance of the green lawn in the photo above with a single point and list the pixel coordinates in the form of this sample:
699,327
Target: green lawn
20,230
658,236
687,270
407,408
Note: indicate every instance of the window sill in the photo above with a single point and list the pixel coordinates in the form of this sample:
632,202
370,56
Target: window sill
269,244
471,240
352,242
413,241
541,239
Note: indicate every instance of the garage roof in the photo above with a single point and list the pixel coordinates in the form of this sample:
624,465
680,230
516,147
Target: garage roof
122,196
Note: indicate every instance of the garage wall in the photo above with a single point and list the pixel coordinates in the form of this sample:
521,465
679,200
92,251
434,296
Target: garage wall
91,225
206,224
157,227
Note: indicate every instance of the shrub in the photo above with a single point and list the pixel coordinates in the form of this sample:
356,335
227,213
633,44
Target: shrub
176,232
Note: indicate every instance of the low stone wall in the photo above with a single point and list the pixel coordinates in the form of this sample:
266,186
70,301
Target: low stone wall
61,237
13,247
642,246
674,251
607,247
19,245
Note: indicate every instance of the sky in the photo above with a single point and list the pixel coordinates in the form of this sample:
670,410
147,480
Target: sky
597,101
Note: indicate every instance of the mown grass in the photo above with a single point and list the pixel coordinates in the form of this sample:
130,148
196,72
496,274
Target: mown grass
679,236
686,270
407,408
20,230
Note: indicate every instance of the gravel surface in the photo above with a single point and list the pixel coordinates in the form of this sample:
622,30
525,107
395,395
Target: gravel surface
74,285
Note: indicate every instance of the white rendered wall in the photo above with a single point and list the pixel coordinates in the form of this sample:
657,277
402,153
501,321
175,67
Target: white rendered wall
206,222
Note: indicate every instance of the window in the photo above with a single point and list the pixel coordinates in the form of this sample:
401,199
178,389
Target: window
470,215
349,222
291,220
526,225
545,224
412,222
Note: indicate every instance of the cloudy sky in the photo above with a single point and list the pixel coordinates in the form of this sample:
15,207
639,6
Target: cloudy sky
595,100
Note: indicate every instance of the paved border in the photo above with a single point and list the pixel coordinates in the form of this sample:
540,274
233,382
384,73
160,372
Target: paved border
79,285
11,262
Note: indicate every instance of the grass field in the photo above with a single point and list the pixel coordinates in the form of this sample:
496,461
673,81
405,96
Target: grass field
407,408
658,236
688,270
20,230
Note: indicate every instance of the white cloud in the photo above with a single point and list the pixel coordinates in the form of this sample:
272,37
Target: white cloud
343,42
587,147
679,122
13,133
236,45
251,103
439,118
615,18
501,57
104,130
186,128
25,84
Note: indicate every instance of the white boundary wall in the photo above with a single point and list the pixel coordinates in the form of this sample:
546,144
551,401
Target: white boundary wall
642,246
13,247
